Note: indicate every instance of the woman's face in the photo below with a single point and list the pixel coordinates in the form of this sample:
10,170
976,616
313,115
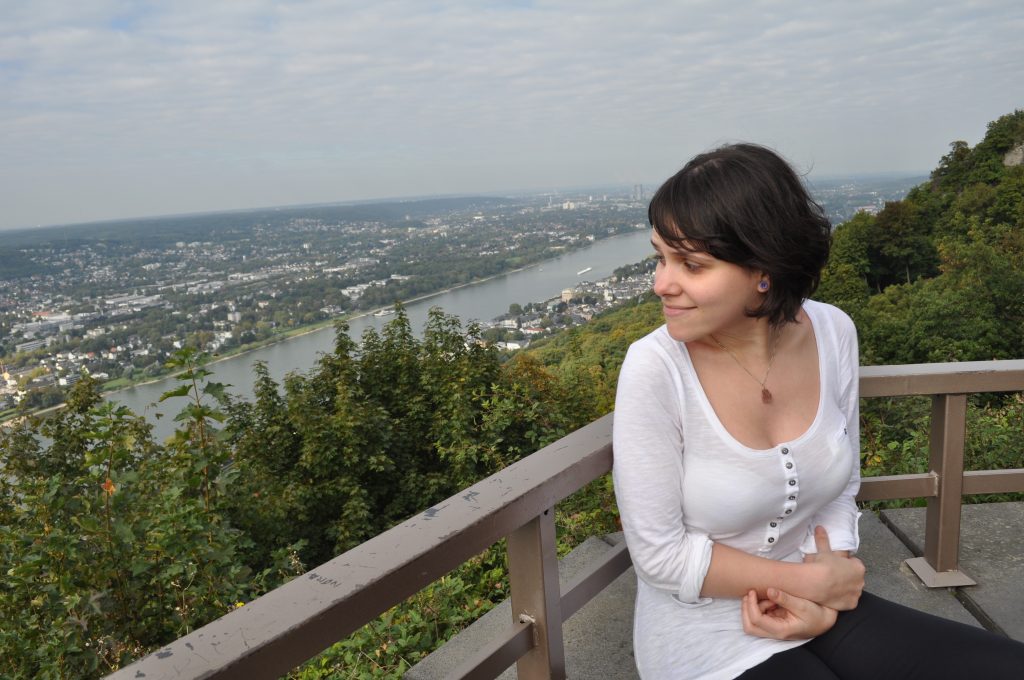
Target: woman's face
701,294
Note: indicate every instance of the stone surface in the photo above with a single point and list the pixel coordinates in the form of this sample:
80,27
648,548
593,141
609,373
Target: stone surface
991,552
887,576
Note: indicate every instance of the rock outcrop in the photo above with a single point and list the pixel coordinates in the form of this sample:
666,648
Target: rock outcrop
1014,156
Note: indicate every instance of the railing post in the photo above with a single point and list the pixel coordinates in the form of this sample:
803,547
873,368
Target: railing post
533,576
938,568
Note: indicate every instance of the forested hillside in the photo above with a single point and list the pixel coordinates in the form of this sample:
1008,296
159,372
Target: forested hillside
939,276
113,544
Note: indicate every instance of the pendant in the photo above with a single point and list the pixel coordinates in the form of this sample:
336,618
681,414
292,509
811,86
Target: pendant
766,396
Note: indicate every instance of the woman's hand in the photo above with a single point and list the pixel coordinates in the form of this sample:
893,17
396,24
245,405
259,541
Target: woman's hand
840,578
784,617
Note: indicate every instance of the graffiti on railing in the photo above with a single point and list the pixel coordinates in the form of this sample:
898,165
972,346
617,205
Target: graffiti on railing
323,580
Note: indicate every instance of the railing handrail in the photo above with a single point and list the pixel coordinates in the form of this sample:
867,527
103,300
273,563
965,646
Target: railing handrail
278,631
962,377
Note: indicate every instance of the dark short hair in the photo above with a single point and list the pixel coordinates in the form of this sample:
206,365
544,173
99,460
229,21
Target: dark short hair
744,204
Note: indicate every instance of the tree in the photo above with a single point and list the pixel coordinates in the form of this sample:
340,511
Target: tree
848,273
952,168
973,311
902,244
379,431
265,449
108,547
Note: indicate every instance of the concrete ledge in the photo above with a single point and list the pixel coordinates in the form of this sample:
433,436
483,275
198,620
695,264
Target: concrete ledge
991,552
888,576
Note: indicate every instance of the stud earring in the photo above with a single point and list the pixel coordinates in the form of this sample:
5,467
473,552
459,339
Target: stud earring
763,286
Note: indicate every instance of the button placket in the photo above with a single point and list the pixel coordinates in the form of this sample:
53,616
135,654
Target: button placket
789,472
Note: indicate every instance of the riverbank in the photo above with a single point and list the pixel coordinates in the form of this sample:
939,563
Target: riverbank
13,415
299,331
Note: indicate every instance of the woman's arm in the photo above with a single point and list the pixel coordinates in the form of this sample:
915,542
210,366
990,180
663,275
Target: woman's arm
827,579
648,473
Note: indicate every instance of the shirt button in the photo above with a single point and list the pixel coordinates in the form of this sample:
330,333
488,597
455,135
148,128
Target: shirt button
784,450
789,466
773,524
792,498
792,482
771,540
788,511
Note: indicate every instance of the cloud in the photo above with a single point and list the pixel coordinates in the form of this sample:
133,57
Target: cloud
119,108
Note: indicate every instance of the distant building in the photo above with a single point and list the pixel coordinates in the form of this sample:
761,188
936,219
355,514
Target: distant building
29,346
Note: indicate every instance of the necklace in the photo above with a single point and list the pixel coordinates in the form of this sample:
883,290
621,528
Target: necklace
766,394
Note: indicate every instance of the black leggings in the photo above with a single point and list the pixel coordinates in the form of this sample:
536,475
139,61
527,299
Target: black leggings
881,640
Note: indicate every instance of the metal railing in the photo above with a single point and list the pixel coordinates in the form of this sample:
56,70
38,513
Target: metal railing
945,482
277,632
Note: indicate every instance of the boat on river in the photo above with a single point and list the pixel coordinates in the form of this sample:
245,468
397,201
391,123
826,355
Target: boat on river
583,271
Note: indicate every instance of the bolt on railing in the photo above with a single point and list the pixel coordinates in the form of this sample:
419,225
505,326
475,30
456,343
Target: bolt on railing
287,626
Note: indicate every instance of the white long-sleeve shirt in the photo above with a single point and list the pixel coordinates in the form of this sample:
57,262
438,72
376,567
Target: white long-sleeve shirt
683,482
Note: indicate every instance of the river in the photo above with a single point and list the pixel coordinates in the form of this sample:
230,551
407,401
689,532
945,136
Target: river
480,301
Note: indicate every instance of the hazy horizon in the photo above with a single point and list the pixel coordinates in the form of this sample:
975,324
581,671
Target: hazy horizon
508,193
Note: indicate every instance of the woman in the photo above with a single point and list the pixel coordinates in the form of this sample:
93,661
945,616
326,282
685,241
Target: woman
737,452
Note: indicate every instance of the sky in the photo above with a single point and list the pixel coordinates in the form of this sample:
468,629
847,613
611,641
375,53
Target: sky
113,109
